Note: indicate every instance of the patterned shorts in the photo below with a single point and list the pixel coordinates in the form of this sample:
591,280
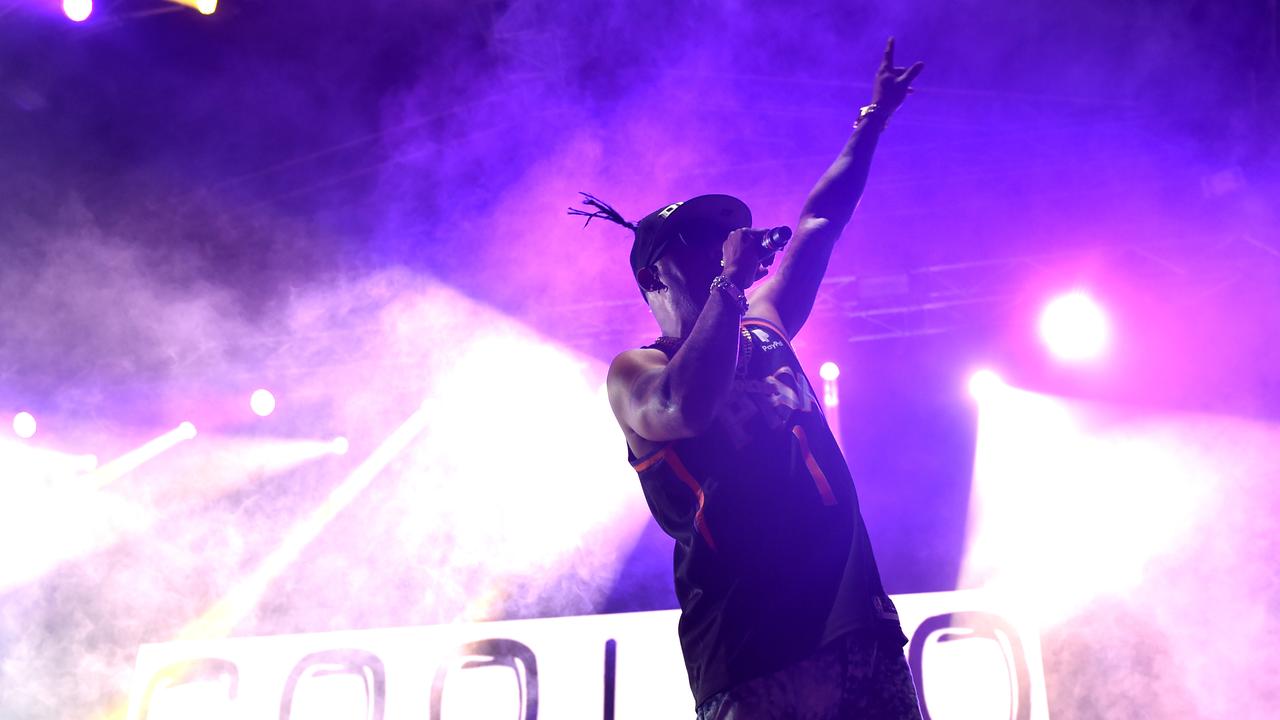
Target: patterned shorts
854,678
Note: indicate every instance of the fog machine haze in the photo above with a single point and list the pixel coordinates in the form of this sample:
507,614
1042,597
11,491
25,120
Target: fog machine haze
301,351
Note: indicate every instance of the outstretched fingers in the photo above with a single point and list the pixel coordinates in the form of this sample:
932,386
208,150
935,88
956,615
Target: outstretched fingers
887,63
911,73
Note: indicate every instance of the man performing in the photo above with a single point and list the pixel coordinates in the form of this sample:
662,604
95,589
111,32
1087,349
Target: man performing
782,610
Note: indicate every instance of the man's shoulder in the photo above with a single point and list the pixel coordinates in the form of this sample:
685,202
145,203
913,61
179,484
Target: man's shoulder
627,368
633,361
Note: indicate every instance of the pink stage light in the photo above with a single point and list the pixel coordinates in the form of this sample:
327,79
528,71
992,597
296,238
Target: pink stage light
829,371
1074,327
262,402
984,383
24,425
77,10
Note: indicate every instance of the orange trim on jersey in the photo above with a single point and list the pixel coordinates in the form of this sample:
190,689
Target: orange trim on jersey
819,477
651,459
682,472
668,453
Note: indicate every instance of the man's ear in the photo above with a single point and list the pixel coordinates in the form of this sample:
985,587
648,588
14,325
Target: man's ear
647,277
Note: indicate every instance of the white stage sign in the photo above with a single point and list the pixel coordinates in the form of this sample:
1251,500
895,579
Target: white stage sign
973,658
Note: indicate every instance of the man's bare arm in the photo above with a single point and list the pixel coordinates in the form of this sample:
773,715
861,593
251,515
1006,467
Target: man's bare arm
661,400
790,293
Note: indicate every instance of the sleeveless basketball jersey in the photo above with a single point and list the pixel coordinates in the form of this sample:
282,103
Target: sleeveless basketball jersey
772,559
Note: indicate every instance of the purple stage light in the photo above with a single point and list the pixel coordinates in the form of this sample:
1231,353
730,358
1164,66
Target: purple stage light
24,424
77,10
1074,327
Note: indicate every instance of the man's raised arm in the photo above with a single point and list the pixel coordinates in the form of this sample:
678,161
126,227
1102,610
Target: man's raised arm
791,291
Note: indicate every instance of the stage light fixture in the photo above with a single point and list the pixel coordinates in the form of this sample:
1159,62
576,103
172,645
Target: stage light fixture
24,425
339,445
77,10
829,371
204,7
1074,327
983,383
262,402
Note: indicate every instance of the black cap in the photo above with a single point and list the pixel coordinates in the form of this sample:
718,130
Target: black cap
719,213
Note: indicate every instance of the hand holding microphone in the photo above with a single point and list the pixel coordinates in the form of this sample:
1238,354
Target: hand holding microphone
748,252
776,238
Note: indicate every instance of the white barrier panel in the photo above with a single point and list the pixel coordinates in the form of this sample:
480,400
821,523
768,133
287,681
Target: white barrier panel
974,658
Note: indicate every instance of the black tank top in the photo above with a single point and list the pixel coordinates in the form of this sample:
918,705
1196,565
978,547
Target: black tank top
772,559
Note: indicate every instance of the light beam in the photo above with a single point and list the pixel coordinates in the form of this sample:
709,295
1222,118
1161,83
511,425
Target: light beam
132,460
220,619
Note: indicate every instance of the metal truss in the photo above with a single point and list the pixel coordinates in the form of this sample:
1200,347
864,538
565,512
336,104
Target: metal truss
947,298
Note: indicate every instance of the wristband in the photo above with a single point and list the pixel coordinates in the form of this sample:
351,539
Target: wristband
720,282
867,111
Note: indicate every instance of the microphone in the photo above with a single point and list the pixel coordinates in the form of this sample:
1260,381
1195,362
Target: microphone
776,238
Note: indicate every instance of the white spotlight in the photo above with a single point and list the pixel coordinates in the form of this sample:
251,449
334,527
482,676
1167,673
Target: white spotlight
206,7
829,371
984,383
262,402
1074,327
339,445
24,424
186,430
77,10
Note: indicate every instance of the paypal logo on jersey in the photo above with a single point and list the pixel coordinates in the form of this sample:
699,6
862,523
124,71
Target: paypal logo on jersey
770,343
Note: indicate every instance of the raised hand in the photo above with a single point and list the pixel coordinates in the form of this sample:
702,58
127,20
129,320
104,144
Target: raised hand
893,83
745,256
